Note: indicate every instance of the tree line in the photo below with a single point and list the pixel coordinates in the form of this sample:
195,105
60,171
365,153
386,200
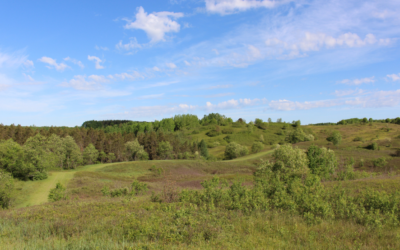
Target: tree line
27,152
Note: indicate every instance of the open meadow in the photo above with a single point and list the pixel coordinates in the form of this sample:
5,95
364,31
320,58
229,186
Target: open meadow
241,203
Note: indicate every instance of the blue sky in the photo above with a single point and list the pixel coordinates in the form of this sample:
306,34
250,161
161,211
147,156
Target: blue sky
65,62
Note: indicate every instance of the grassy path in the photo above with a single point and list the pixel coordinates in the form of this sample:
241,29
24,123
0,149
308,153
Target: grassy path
252,156
39,190
36,193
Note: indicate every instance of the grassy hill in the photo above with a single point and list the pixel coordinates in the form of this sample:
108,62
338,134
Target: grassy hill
88,219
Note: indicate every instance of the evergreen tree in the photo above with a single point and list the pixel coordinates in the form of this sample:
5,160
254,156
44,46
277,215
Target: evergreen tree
203,149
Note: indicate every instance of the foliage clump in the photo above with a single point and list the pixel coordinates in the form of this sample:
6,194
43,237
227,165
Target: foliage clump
234,150
335,138
257,147
298,135
135,151
6,189
322,161
58,193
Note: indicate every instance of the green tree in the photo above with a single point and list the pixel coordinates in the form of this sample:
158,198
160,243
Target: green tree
257,147
167,124
56,146
73,156
258,122
203,149
164,150
322,161
335,138
38,154
90,154
234,150
6,189
12,159
102,156
296,124
269,120
364,120
111,157
135,151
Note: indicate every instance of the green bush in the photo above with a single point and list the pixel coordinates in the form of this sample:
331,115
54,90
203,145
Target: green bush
138,188
228,139
234,150
257,147
6,189
213,133
322,161
335,138
298,135
380,162
358,138
227,131
37,176
373,146
58,193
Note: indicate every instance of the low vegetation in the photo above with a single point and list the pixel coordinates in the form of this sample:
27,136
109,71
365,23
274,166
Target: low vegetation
210,183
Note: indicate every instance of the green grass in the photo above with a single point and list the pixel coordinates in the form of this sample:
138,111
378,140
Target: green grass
89,220
32,193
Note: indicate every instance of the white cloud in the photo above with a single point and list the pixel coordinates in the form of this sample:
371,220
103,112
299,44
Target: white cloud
221,86
394,77
216,51
316,41
232,104
156,68
156,24
218,95
341,93
74,61
28,63
58,66
101,48
187,63
81,82
129,76
14,60
358,81
150,96
28,77
254,52
287,105
377,99
97,61
171,65
225,7
133,44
